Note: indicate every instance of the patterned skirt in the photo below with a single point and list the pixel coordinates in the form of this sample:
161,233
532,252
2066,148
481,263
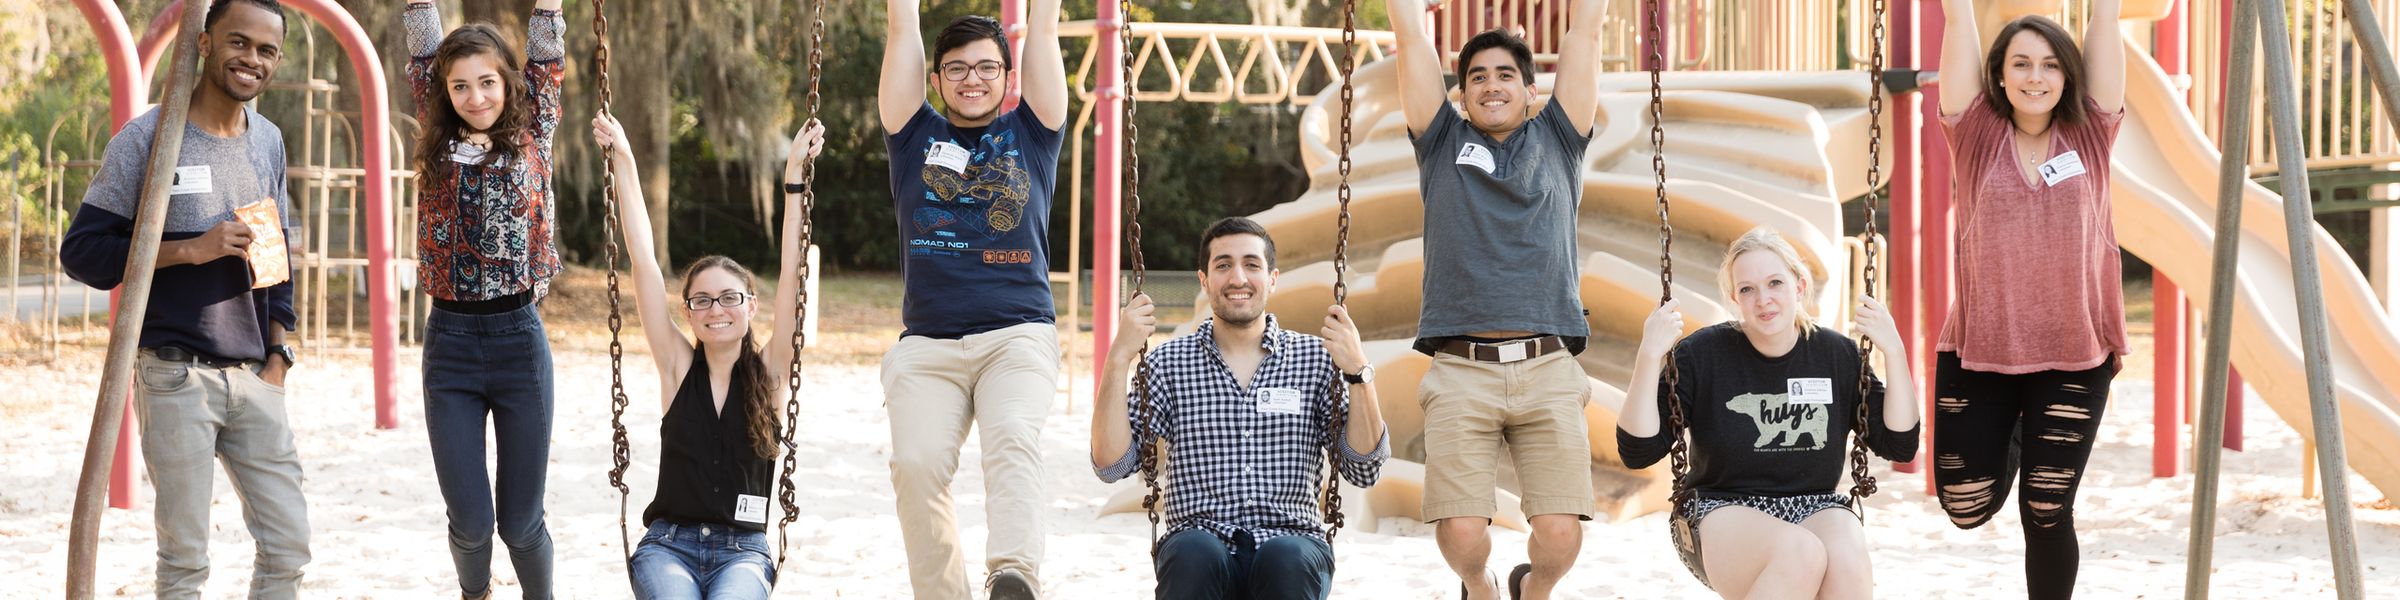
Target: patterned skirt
1684,524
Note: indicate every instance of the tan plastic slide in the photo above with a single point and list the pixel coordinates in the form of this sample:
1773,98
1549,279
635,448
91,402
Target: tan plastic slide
1781,149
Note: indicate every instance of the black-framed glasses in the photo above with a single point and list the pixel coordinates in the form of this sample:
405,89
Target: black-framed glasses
729,300
986,70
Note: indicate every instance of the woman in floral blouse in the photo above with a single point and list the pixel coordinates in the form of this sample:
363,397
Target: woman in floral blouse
486,254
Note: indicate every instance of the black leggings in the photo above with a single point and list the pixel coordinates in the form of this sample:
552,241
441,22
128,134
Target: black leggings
1985,424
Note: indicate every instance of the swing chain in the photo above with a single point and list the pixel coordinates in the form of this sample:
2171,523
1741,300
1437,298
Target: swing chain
1677,450
1862,482
621,456
1332,500
1145,410
787,496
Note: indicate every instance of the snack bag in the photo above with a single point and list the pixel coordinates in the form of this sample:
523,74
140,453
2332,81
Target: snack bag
270,260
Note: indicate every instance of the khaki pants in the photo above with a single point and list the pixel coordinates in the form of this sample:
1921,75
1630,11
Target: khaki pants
1000,382
1535,406
193,417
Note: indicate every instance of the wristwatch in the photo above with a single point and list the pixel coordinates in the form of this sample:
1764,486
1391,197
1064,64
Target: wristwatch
291,356
1365,374
795,187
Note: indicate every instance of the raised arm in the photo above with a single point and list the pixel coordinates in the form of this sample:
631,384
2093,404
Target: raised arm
1962,56
1577,87
2104,56
668,349
1044,70
1659,334
1365,443
1112,431
1421,89
804,147
1900,383
903,89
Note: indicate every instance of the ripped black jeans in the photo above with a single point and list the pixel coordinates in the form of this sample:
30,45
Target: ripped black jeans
1986,424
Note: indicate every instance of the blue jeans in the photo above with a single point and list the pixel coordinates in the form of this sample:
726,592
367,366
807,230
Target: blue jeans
1195,565
675,562
496,365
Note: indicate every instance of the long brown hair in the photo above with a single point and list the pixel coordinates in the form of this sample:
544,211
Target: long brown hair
510,133
2070,64
758,396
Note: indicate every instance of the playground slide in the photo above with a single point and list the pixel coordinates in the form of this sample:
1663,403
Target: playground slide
2165,195
1745,151
1781,149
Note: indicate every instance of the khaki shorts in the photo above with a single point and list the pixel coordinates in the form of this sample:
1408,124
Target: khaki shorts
1534,406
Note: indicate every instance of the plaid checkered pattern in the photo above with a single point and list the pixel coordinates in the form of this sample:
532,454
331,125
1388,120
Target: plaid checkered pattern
1233,467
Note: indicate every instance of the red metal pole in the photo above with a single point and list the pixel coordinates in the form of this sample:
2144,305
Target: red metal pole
1106,178
128,92
2233,409
2169,336
1903,231
1937,268
383,323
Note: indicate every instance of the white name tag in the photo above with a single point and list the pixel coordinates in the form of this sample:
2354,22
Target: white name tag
194,179
2063,167
1282,401
1476,155
948,156
750,509
1808,390
467,155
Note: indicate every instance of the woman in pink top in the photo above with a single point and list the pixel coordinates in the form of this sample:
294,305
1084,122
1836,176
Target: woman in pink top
2031,342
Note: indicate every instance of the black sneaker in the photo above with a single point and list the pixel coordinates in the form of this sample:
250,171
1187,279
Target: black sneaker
1008,584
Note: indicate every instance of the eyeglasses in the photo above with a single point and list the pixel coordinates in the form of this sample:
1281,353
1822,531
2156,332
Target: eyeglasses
729,300
986,70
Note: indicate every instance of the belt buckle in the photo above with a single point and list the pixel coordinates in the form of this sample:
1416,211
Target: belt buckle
1512,351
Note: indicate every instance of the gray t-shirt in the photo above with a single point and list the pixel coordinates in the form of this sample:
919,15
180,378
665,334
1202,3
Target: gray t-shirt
240,171
1500,226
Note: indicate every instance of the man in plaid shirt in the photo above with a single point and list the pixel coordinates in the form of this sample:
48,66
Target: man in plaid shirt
1244,410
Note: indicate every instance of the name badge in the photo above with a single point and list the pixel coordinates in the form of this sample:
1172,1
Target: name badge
468,155
2063,167
1808,390
948,156
1281,401
194,179
750,509
1475,155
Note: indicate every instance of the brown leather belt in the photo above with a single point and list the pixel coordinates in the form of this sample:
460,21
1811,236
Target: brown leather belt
1504,352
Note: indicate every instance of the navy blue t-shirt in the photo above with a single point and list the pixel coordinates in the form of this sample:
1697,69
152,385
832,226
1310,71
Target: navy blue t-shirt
973,205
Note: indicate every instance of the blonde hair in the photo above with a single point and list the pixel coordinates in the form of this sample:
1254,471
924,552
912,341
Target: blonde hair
1764,239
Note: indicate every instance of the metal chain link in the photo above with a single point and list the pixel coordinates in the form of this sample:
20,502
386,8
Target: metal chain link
1146,411
621,455
789,497
1677,450
1331,504
1862,482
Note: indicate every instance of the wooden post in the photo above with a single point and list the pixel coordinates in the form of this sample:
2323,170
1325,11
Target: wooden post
115,380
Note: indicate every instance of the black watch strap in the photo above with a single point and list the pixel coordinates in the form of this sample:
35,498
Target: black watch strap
1355,378
795,187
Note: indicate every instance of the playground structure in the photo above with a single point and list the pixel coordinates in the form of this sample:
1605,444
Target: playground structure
1799,140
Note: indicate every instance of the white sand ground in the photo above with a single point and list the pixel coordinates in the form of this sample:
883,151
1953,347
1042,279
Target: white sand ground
378,523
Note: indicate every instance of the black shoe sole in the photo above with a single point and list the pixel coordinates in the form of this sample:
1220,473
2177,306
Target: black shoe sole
1011,586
